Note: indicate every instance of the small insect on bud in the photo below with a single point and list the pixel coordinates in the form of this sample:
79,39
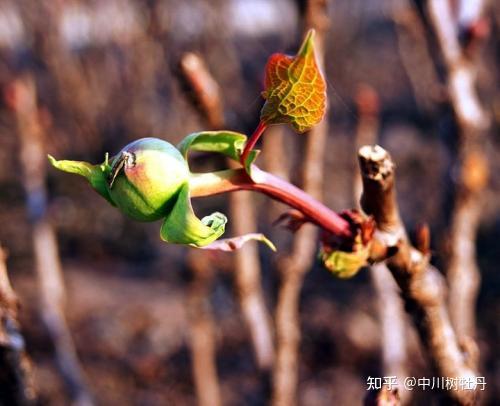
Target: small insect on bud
145,177
143,180
149,180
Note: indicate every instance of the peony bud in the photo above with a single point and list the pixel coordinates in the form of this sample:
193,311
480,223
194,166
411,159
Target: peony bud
145,178
142,180
149,180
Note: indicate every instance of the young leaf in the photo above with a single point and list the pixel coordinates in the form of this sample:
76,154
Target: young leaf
343,264
228,143
95,174
295,90
181,226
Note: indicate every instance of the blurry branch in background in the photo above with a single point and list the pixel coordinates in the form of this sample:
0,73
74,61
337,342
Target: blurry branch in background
204,93
382,397
16,379
203,89
275,158
389,304
422,286
21,97
415,55
247,266
248,281
294,266
471,169
202,337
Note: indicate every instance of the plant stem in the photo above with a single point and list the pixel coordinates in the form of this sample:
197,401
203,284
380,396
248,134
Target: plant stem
230,180
252,141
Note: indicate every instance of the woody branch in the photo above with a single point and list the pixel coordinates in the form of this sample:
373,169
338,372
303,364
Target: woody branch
422,287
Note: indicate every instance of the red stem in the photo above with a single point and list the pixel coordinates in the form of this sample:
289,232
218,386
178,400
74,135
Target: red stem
273,186
252,141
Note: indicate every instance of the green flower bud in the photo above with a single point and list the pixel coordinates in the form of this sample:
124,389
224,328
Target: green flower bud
145,178
149,180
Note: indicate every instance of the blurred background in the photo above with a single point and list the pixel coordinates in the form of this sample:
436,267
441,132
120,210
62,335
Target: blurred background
104,73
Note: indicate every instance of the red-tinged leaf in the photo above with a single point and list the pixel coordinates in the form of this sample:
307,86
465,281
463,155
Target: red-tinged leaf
235,243
295,89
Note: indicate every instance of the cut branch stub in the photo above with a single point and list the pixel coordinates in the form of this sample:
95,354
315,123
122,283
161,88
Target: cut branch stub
378,198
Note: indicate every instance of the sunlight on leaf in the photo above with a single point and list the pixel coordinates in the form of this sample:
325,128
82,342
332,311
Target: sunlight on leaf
344,265
96,175
181,226
228,143
295,89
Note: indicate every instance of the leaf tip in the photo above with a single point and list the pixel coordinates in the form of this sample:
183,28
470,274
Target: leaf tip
52,160
269,243
308,43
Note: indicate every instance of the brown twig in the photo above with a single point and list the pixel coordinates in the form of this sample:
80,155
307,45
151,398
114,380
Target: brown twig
293,268
389,304
383,397
415,55
21,97
248,282
16,380
422,286
205,94
247,266
462,271
202,342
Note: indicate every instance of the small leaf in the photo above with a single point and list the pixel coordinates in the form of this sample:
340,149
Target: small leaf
181,226
228,143
232,244
345,264
97,175
344,258
295,90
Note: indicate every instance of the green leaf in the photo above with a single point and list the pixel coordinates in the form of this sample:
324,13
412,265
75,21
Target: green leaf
96,175
181,226
345,264
228,143
295,90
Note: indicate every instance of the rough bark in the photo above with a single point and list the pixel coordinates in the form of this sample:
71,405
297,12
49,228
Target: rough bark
389,304
422,287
